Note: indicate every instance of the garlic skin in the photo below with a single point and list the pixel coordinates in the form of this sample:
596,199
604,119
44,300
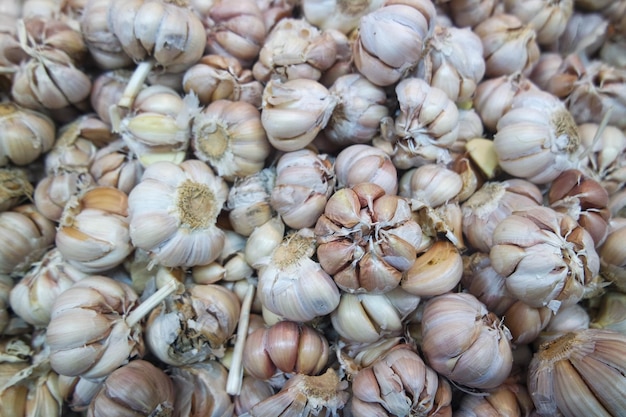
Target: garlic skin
546,257
71,150
26,236
103,45
464,342
294,286
406,25
526,322
304,182
229,136
432,184
87,334
399,383
579,374
201,390
249,201
537,138
107,90
343,15
295,111
367,239
547,18
360,163
263,240
286,347
25,134
509,45
138,388
508,399
184,200
567,319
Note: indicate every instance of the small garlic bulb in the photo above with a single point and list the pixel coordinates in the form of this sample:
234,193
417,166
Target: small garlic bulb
24,134
115,166
365,163
605,154
526,322
613,255
304,182
464,342
432,184
201,390
187,199
71,150
138,388
249,201
295,111
107,90
229,136
567,319
253,391
506,400
343,15
546,257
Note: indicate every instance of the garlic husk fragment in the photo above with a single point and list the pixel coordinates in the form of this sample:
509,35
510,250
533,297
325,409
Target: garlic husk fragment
184,201
201,390
580,373
368,318
304,182
404,24
483,282
367,239
464,342
343,15
401,384
295,111
88,335
138,388
537,138
229,136
15,187
365,163
293,285
26,236
287,347
25,134
193,326
249,201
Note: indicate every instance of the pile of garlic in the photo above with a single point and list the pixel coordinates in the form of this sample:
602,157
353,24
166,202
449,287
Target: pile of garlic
312,207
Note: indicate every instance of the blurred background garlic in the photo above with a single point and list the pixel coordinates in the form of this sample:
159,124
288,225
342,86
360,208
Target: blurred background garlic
604,150
611,312
507,399
338,14
253,391
188,235
15,187
613,255
472,12
360,163
568,319
25,134
584,32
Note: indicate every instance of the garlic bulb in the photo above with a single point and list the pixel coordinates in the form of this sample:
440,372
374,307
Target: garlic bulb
295,111
230,266
253,391
506,400
547,18
604,148
201,390
584,32
71,150
537,138
567,319
464,342
434,272
6,283
525,322
229,136
432,184
56,189
342,15
580,373
107,90
556,74
138,388
24,134
367,238
78,392
187,198
249,201
304,182
88,334
483,282
404,24
115,166
286,347
611,314
546,257
365,163
612,254
294,286
472,12
15,187
399,383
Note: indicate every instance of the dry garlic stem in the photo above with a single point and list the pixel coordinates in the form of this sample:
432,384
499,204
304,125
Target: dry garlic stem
173,210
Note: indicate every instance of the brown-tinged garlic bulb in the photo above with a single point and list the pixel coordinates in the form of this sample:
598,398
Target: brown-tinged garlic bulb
229,136
546,257
13,397
34,294
361,106
464,342
427,125
26,236
286,347
295,49
104,47
360,163
138,388
494,96
470,13
187,199
293,285
436,271
342,15
217,77
453,62
295,111
253,391
509,46
88,334
304,182
193,326
613,255
537,138
159,125
15,187
580,373
506,400
611,313
249,201
404,24
491,204
547,18
525,322
306,396
483,282
24,134
399,383
201,390
584,32
93,234
367,238
368,318
114,166
604,147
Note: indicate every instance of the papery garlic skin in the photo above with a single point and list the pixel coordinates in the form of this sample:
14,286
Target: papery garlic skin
509,399
360,163
612,254
187,234
586,32
253,391
464,342
472,12
546,257
55,190
611,314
